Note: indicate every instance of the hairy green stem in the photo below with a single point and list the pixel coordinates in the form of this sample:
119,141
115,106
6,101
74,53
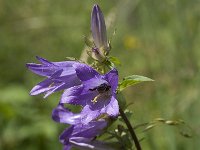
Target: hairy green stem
130,128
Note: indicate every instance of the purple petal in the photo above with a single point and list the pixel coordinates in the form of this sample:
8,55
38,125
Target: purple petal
49,68
112,78
88,114
71,81
70,94
66,134
85,72
44,61
55,83
80,143
93,83
40,69
76,96
81,136
112,109
56,88
104,105
98,27
41,87
63,115
89,130
67,147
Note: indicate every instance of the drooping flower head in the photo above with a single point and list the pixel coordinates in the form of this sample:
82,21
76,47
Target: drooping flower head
99,33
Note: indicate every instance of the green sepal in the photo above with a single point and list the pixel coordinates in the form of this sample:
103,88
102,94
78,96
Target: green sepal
109,64
71,58
88,42
115,60
131,80
74,59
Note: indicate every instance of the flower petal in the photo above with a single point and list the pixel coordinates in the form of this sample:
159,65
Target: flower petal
40,69
88,114
93,83
66,134
112,78
85,72
81,143
77,96
58,84
63,115
98,27
67,147
49,68
89,130
56,88
43,61
41,87
81,136
112,109
104,105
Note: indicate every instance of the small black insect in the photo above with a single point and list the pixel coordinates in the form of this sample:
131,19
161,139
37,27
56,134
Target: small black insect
101,88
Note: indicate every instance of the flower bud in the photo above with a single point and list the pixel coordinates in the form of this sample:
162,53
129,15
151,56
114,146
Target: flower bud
98,29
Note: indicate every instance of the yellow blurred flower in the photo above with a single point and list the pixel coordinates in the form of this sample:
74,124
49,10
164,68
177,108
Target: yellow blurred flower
131,42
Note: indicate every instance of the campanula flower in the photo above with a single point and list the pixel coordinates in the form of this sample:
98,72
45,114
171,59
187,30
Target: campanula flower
82,136
96,93
99,34
59,76
82,85
62,114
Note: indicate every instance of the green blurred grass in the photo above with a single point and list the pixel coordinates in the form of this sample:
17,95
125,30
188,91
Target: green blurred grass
157,39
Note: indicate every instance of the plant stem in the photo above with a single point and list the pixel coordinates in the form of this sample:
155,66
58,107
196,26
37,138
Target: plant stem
130,128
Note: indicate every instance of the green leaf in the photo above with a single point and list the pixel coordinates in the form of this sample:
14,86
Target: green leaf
115,60
132,80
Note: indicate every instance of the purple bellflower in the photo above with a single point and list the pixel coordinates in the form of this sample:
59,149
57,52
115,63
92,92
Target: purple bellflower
60,75
82,85
96,93
82,136
99,34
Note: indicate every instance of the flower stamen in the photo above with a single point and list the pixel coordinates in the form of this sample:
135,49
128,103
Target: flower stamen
95,99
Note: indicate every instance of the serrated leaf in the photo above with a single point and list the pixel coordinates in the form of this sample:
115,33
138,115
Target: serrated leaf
115,60
132,80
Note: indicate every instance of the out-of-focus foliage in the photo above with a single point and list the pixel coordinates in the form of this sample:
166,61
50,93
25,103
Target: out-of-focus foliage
158,39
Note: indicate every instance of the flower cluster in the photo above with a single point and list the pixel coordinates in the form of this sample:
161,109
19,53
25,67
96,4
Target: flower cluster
84,86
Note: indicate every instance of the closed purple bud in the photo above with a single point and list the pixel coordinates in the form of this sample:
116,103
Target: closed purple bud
98,29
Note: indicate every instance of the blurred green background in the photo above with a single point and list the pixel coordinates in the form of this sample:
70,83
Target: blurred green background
157,39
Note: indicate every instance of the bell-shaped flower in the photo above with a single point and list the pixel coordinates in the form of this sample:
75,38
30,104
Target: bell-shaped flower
99,34
82,85
96,93
82,136
59,76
